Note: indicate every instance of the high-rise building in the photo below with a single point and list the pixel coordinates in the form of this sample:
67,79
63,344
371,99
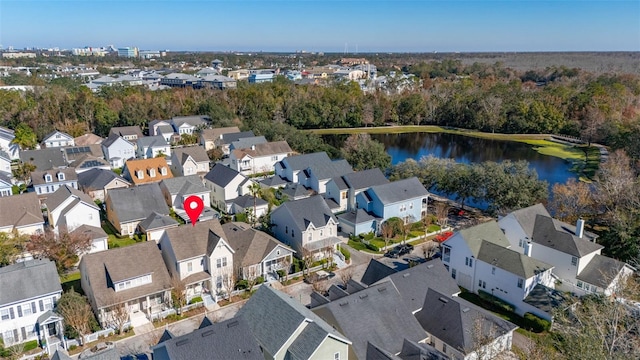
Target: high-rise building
130,52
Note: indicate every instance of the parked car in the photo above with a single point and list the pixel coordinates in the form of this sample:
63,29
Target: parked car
405,249
393,253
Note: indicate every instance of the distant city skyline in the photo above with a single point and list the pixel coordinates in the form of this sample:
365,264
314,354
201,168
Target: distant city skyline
327,26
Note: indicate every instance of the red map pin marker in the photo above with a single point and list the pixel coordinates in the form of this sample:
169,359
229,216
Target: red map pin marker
193,205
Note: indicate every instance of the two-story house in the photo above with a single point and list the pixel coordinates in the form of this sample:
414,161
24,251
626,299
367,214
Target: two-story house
259,158
48,181
177,190
210,137
129,133
6,185
189,124
161,128
224,142
189,160
117,150
30,291
301,334
155,224
201,257
57,139
152,146
307,225
97,182
21,213
43,159
69,208
225,184
7,145
291,167
145,171
118,277
126,208
344,189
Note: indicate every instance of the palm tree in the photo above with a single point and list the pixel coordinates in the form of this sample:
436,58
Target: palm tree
255,190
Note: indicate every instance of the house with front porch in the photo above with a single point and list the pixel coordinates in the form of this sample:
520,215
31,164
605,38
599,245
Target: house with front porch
21,213
189,124
189,160
201,257
257,253
259,158
117,277
126,208
152,146
6,186
117,150
48,181
225,184
30,291
307,225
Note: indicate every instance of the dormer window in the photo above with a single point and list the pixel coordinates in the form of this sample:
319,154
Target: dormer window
163,171
140,174
48,178
152,172
60,176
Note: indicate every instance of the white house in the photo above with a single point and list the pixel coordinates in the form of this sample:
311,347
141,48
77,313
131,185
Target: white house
152,146
30,291
58,139
70,208
99,238
155,225
316,176
5,163
344,189
189,124
117,150
47,182
21,213
290,167
306,225
210,137
177,190
97,182
189,160
225,184
130,133
259,158
6,187
7,145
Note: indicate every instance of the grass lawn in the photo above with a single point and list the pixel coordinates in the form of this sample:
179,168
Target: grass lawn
113,238
70,281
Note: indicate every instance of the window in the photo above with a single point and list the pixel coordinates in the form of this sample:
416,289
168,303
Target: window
574,261
520,243
163,171
468,261
47,304
482,284
189,266
4,314
586,287
444,348
274,158
8,337
140,174
286,229
453,273
221,262
219,282
493,271
291,232
579,284
520,283
48,178
411,206
321,232
61,176
152,172
447,254
336,356
26,309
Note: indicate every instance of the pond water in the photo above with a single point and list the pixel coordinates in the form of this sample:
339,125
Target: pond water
467,150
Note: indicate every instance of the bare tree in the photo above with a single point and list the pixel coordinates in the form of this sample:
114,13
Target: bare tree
442,214
251,275
387,232
483,334
320,286
346,274
229,277
406,228
77,313
63,247
118,313
429,249
427,220
286,266
327,251
178,293
307,260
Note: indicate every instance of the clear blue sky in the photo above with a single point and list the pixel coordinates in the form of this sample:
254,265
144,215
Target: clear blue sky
369,26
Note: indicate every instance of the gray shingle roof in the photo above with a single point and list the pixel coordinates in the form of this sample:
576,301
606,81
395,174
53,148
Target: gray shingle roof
192,241
20,210
415,351
222,175
601,271
265,149
273,181
126,131
138,202
113,138
375,272
195,120
295,191
97,179
340,184
489,231
37,177
307,342
152,141
42,279
511,261
63,193
356,216
323,171
43,159
250,245
412,283
198,153
230,339
246,201
214,134
527,217
300,162
375,352
75,153
105,267
191,184
400,190
560,236
157,221
375,314
312,210
274,316
91,231
228,138
247,142
60,355
544,298
451,318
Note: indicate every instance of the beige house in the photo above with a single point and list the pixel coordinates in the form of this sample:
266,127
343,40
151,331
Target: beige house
21,213
189,161
97,182
208,137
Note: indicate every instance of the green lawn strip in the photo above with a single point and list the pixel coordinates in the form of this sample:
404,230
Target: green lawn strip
69,281
115,242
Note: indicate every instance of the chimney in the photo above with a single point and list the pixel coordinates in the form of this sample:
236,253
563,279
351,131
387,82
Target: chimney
527,247
580,228
253,147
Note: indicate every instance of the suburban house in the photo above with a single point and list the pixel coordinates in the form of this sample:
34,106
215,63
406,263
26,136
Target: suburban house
21,213
300,333
57,139
462,330
225,140
190,124
306,225
479,259
88,139
201,257
177,190
247,142
152,146
6,186
117,150
5,163
344,189
161,128
209,137
88,162
73,154
126,208
118,277
225,184
69,208
316,176
155,225
48,181
145,171
7,145
578,263
43,159
97,182
130,133
291,167
189,161
99,238
229,339
375,314
406,199
219,82
259,158
30,291
256,253
250,205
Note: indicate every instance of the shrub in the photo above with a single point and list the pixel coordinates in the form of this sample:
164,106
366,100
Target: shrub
241,217
259,280
196,299
346,253
372,247
73,347
281,273
30,345
369,236
495,301
242,284
535,323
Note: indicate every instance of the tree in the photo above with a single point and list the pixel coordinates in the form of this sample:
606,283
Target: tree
406,228
23,171
77,313
387,230
429,249
24,137
118,314
63,247
307,260
229,277
255,190
442,214
178,293
427,220
215,154
346,274
364,153
572,200
12,245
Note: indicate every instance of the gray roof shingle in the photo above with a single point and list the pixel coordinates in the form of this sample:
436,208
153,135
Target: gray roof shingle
243,143
250,245
489,231
126,131
152,141
400,190
37,177
191,184
601,271
20,210
97,179
63,193
323,171
191,241
222,175
214,134
136,203
312,210
157,221
420,351
511,261
228,138
365,179
197,153
43,159
560,236
527,217
42,279
375,272
300,162
265,149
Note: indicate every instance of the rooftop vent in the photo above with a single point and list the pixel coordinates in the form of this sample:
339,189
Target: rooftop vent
444,300
207,333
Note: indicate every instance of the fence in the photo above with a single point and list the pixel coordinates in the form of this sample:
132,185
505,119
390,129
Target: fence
161,315
96,335
385,248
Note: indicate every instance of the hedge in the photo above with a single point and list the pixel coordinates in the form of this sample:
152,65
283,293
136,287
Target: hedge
346,253
495,301
535,323
196,299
